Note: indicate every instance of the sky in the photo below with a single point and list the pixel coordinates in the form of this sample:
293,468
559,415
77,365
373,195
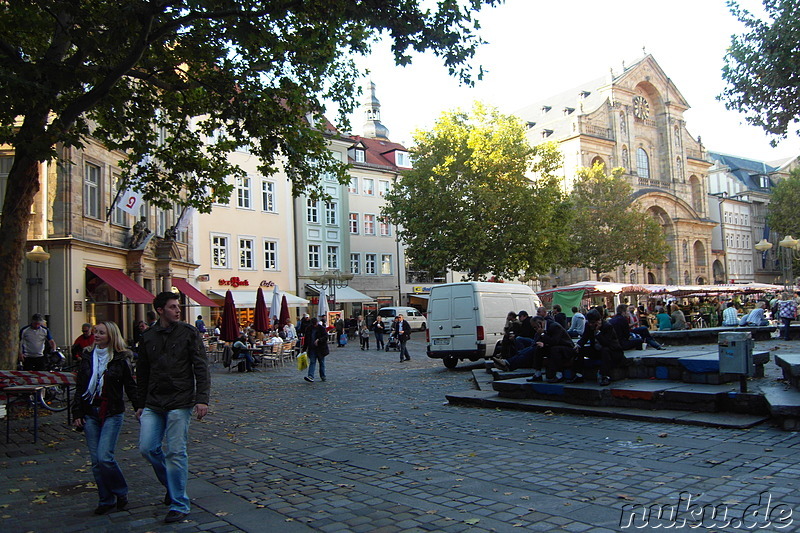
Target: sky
539,48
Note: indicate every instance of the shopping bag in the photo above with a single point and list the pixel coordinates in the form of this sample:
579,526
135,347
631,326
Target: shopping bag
302,361
343,339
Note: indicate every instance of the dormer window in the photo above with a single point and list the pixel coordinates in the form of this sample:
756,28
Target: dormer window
584,94
568,110
765,182
531,125
547,133
546,108
359,155
402,159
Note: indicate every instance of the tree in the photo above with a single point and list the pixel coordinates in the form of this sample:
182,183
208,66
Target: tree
782,214
607,230
761,67
156,79
467,205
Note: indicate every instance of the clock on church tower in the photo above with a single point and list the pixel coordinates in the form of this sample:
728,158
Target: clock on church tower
641,109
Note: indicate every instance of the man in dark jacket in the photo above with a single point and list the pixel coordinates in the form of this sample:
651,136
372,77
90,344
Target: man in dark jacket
598,342
402,331
173,379
631,337
553,342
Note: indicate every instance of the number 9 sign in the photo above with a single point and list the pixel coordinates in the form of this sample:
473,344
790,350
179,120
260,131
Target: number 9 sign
129,202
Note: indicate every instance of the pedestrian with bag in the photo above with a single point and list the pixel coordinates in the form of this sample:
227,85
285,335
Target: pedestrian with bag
317,348
98,410
173,381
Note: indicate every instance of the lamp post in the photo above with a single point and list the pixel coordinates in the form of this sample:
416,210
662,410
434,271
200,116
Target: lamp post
790,250
330,281
36,255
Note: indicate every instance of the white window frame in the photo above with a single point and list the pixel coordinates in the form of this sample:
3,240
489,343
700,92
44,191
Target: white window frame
162,221
247,250
332,213
314,256
385,228
312,211
353,223
332,257
386,264
360,155
223,259
642,163
268,199
118,216
92,179
370,264
270,255
369,224
368,188
355,263
244,197
352,188
384,186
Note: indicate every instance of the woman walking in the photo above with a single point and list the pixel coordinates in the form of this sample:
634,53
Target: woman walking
317,348
377,327
99,408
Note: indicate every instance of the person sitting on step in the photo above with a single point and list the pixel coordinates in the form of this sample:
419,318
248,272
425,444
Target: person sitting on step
598,343
631,337
554,343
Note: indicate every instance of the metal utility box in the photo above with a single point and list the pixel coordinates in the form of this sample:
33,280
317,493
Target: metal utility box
736,353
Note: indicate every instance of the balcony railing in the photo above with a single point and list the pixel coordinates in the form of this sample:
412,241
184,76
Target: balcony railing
597,131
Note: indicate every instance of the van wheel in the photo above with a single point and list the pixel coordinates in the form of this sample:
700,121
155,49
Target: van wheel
450,362
423,327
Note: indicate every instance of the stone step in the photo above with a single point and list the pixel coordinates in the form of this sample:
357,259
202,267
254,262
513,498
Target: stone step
490,399
790,365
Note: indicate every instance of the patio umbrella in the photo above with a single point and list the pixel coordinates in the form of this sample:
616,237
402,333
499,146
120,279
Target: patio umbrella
230,324
275,308
323,304
261,321
284,311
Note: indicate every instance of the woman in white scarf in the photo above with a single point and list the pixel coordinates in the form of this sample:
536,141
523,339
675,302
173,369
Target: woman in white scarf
99,408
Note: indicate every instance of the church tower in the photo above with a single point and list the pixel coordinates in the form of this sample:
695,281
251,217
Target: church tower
373,129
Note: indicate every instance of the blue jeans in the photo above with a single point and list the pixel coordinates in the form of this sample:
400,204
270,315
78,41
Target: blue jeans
403,350
172,468
312,364
379,339
101,438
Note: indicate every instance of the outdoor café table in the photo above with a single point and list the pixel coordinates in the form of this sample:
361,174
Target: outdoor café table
23,390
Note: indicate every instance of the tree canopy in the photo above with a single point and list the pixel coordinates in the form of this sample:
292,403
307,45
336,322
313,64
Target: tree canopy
158,79
762,67
782,215
608,230
469,205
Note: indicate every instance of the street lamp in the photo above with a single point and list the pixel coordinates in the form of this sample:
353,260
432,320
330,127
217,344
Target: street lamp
790,250
332,280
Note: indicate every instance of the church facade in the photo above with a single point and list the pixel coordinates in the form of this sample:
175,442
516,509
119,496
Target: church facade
634,120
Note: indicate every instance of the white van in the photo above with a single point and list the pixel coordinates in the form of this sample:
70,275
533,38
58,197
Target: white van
413,316
466,318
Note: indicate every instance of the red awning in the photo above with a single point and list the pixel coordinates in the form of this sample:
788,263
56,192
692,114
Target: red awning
191,292
122,283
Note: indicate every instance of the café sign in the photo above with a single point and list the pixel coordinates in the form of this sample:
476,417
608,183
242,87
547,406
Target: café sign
234,282
418,289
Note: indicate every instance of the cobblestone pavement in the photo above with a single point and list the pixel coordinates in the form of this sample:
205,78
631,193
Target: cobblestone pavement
377,449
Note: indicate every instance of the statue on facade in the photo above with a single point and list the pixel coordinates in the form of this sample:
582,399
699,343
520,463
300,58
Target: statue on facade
171,234
139,234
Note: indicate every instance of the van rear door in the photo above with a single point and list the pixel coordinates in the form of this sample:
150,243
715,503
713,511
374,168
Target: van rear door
465,323
440,326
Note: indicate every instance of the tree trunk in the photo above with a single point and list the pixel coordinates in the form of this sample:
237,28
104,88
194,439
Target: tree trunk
22,186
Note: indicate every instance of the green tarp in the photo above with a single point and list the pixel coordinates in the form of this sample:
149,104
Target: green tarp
567,300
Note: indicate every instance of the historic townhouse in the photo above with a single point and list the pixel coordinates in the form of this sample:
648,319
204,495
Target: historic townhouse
634,119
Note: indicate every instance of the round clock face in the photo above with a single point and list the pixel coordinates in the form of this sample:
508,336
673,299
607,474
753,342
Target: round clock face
641,109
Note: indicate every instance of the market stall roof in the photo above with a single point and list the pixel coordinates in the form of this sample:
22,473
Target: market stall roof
599,287
248,298
594,288
346,295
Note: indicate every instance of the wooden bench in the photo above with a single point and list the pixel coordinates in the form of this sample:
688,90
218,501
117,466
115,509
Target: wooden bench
709,335
23,383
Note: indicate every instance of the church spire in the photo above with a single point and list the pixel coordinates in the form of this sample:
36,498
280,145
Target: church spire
373,129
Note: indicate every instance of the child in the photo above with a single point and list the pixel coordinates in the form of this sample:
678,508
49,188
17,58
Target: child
364,337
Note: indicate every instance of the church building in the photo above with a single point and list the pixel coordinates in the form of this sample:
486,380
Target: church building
634,119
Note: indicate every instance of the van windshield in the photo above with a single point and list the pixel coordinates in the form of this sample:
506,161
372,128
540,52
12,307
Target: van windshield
386,313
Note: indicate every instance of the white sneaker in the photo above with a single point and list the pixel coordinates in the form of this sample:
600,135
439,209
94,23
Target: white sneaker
309,379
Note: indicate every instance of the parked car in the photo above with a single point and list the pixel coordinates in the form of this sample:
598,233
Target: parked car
465,318
413,316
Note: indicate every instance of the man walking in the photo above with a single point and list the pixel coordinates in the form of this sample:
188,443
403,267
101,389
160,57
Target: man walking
402,331
173,378
32,340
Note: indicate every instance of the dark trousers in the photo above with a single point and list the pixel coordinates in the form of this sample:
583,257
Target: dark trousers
37,363
379,345
608,359
784,335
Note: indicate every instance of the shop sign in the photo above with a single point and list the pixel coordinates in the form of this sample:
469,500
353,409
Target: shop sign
419,289
235,282
267,283
77,306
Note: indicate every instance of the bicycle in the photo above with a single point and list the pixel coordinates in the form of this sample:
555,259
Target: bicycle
54,397
698,321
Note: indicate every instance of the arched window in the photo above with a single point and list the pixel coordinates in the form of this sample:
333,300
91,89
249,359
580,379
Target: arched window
699,254
626,160
651,278
697,196
642,163
597,160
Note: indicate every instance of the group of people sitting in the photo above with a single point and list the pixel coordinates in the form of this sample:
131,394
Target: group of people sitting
546,345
